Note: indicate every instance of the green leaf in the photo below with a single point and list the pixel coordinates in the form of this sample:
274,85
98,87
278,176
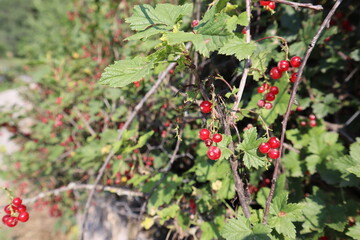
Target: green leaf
293,164
169,212
283,215
250,147
238,47
160,17
123,72
210,35
240,228
354,231
259,62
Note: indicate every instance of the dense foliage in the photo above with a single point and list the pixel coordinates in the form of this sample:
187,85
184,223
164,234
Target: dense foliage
77,119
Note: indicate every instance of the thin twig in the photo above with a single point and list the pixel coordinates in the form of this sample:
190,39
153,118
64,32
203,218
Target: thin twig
292,98
77,186
297,5
119,137
87,124
247,61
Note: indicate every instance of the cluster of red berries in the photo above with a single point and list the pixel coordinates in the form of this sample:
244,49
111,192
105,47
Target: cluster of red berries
15,212
312,121
149,161
205,107
214,153
269,96
271,148
283,66
268,5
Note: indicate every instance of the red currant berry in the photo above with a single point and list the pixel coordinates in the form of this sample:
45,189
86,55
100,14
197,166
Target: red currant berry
11,221
268,105
205,106
23,217
208,142
214,153
293,77
274,90
283,65
10,207
264,148
217,137
275,73
303,123
295,61
266,86
5,218
312,123
270,97
261,103
261,89
272,5
194,23
312,117
171,71
323,238
273,153
274,142
21,208
264,3
299,108
244,30
204,134
17,201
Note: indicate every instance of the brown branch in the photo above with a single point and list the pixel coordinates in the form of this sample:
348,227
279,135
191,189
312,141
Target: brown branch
137,108
292,98
76,186
297,5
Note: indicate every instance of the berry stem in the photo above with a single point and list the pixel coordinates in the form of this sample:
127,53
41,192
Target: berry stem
283,40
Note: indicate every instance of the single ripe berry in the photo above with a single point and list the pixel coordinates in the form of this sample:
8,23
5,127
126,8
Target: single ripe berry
214,153
283,65
275,73
217,137
312,123
17,201
264,148
171,71
5,218
264,3
205,106
11,221
261,89
270,97
194,23
21,208
204,134
208,142
274,90
268,105
272,5
10,207
295,61
274,142
23,217
312,117
266,86
261,103
273,153
293,77
303,123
